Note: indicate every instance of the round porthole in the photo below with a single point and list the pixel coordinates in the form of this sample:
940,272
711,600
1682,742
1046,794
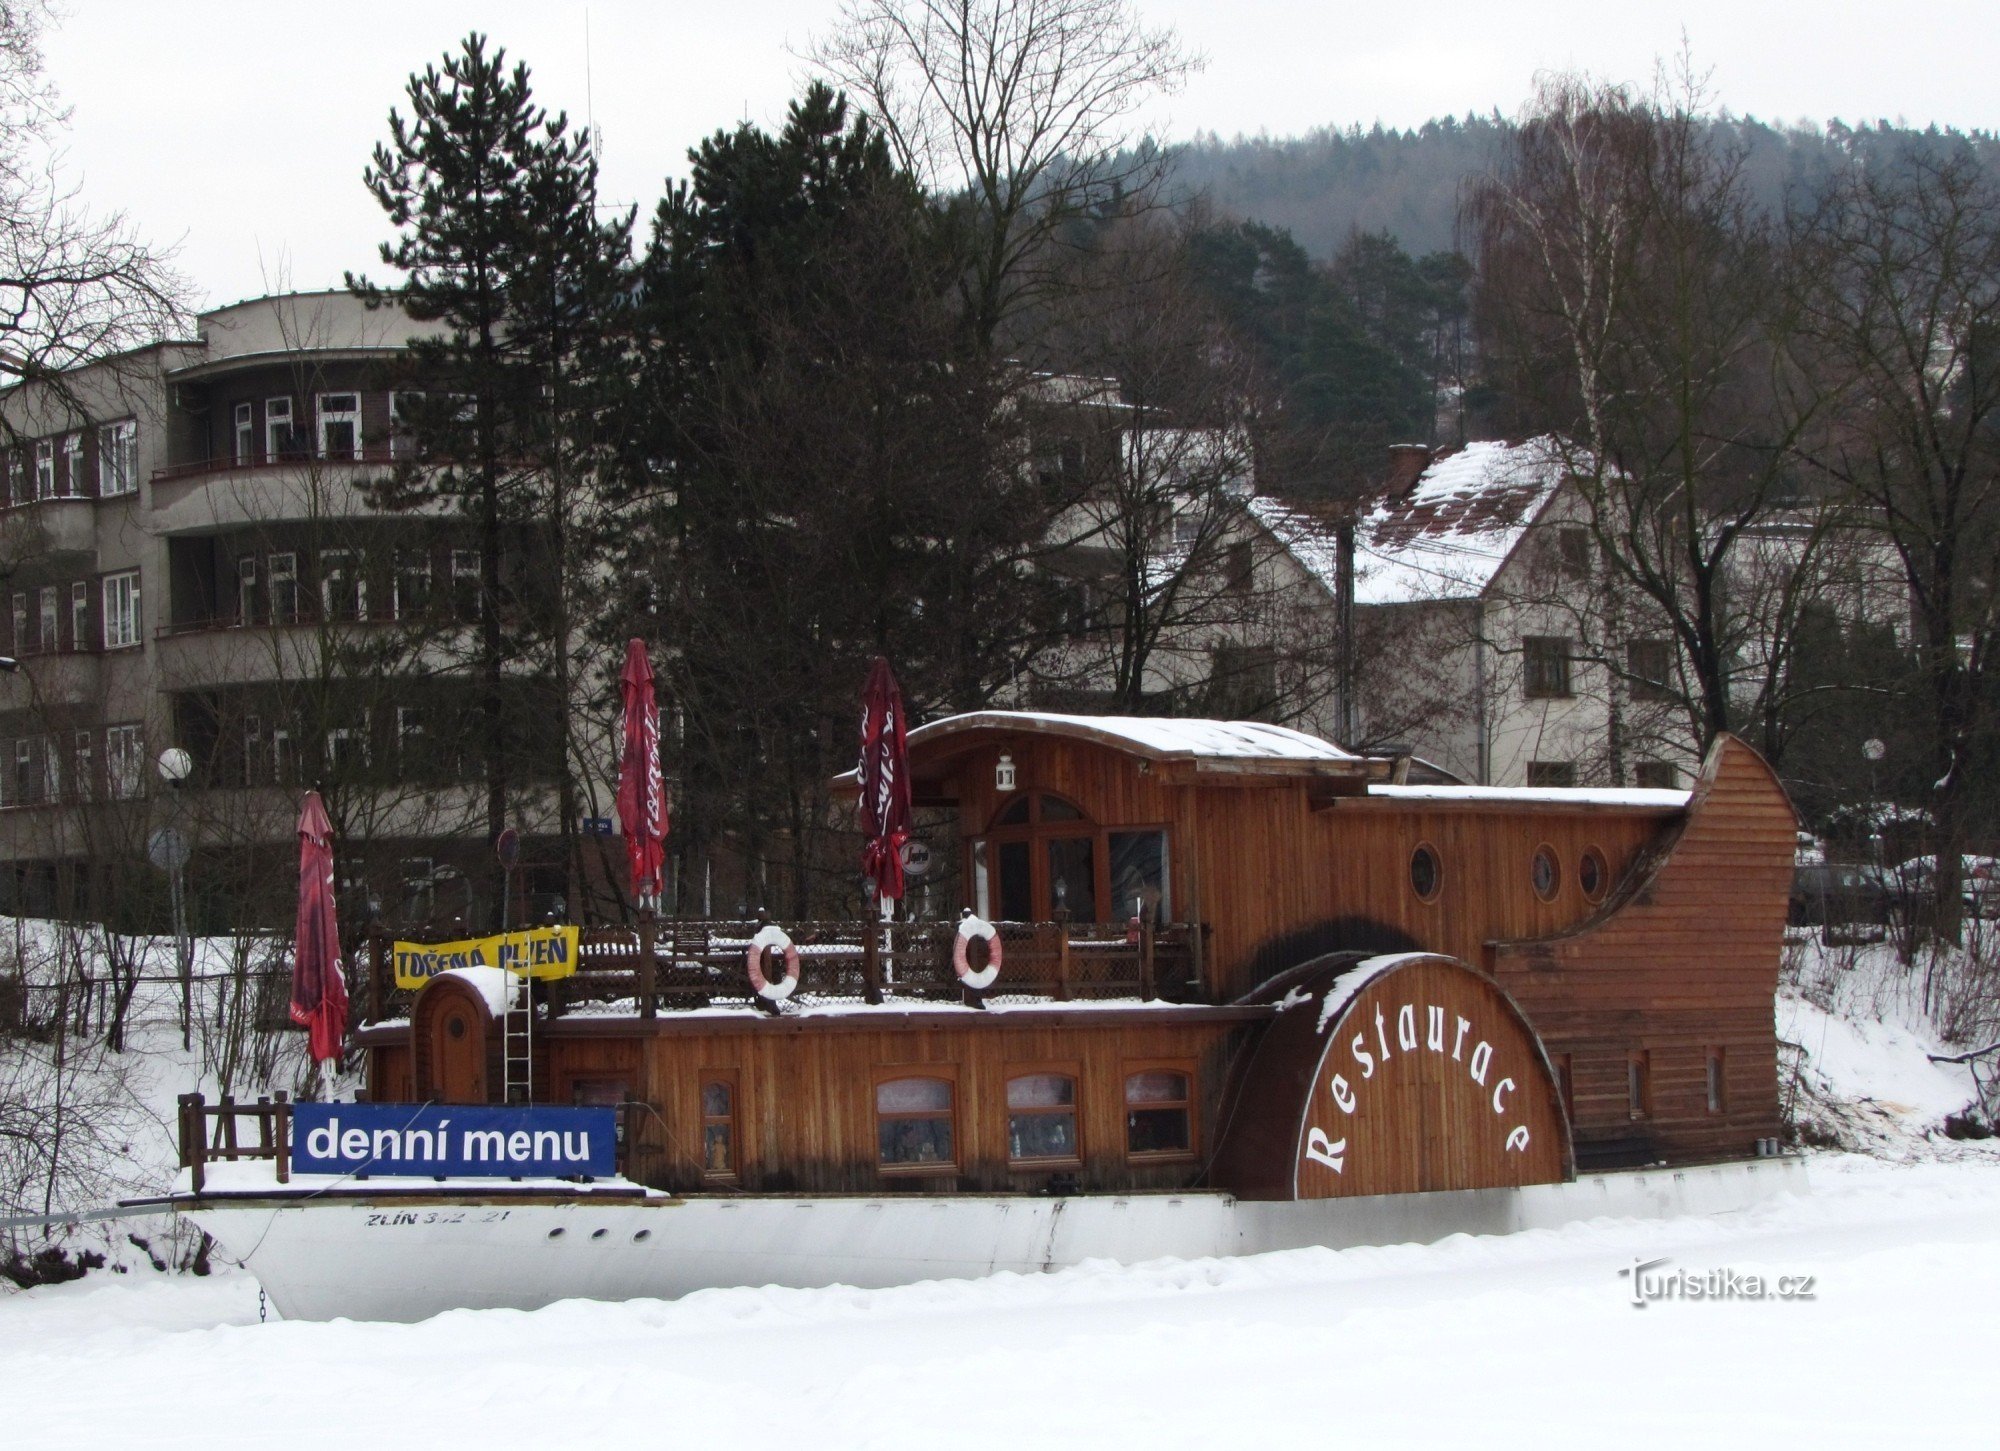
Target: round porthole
556,1233
642,1236
1426,872
1592,874
454,1028
599,1233
1545,873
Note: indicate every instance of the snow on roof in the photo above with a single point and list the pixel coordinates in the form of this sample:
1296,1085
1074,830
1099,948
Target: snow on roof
1241,740
1444,539
491,983
1638,797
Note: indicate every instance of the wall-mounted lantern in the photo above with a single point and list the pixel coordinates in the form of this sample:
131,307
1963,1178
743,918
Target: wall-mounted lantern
1003,773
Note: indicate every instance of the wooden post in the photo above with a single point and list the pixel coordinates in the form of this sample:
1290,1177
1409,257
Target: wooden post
226,1125
1062,954
377,960
649,966
282,1112
871,960
1146,984
194,1136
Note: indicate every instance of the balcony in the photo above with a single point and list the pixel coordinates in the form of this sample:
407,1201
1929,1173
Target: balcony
203,495
54,526
62,677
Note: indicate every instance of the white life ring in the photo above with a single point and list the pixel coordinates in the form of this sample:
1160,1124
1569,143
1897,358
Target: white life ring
773,935
969,927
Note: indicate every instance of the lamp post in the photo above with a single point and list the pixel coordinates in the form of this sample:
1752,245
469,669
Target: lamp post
169,850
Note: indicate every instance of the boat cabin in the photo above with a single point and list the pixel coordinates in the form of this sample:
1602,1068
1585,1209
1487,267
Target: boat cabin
1202,954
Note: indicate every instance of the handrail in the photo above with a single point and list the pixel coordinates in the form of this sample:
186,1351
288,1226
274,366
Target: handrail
272,1116
375,454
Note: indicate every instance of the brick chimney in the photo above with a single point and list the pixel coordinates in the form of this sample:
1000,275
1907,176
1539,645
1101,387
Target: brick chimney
1407,462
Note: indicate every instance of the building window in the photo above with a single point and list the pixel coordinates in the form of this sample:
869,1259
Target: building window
1041,1119
51,769
465,584
282,583
246,589
913,1123
80,765
410,739
1648,666
278,437
121,610
50,639
45,468
413,584
343,588
124,761
1159,1115
118,459
1545,873
1551,773
284,759
20,622
79,616
1240,568
253,751
1639,1084
71,481
339,425
347,750
1243,682
1545,667
718,1128
402,427
15,482
1715,1082
24,772
1656,775
1426,872
1593,874
246,435
1573,548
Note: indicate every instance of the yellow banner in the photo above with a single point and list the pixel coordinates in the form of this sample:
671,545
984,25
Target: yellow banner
544,952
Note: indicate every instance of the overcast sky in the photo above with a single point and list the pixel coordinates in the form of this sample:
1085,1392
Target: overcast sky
238,130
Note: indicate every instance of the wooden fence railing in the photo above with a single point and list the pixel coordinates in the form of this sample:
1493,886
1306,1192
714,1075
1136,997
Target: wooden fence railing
270,1119
677,964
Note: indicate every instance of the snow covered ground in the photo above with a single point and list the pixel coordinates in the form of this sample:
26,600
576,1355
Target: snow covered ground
1492,1342
1529,1340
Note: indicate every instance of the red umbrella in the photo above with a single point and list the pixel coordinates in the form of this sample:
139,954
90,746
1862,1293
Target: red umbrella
319,992
885,781
642,795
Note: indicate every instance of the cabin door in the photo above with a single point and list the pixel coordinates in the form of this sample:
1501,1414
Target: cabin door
458,1053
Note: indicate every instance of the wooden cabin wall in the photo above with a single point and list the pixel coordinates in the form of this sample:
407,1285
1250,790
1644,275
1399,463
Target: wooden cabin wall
805,1109
1271,875
1689,966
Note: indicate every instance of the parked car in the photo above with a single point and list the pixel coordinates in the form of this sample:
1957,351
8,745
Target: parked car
1979,883
1839,894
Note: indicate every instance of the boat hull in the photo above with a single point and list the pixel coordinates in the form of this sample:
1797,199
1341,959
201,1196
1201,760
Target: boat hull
385,1255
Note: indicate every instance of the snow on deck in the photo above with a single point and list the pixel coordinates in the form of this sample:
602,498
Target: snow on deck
1637,797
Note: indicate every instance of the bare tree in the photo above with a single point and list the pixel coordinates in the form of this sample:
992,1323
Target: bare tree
75,286
1023,109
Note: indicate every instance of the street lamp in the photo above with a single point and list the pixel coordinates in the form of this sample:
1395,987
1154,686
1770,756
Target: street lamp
169,850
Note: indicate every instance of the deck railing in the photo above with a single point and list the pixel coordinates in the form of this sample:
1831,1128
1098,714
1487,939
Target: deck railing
678,964
211,1132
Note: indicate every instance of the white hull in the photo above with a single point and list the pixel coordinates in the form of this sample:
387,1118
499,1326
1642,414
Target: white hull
409,1255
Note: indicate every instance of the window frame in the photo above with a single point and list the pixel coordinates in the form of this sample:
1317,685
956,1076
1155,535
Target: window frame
1546,672
1038,832
346,567
1423,848
1715,1079
290,575
79,614
1544,769
732,1121
945,1073
1546,851
71,477
45,468
48,612
1670,770
122,626
243,438
125,761
1130,1069
324,415
279,430
1641,684
81,755
1067,1069
118,459
1639,1085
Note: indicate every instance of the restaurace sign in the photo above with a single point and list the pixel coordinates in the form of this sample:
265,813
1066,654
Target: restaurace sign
1428,1079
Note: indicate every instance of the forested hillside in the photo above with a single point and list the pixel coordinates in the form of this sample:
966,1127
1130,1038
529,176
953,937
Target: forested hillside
1324,185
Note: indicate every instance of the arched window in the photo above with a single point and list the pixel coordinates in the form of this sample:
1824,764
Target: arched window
1041,1119
913,1123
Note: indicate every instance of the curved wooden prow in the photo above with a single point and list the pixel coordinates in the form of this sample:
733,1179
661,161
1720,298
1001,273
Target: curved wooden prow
1675,973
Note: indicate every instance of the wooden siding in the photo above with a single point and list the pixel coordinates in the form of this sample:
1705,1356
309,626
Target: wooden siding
806,1105
1683,960
1281,878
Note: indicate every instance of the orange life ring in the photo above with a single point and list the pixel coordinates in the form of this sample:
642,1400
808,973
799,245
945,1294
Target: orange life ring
773,935
969,927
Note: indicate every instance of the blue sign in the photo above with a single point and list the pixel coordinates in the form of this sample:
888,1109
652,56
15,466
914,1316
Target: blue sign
597,826
453,1140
